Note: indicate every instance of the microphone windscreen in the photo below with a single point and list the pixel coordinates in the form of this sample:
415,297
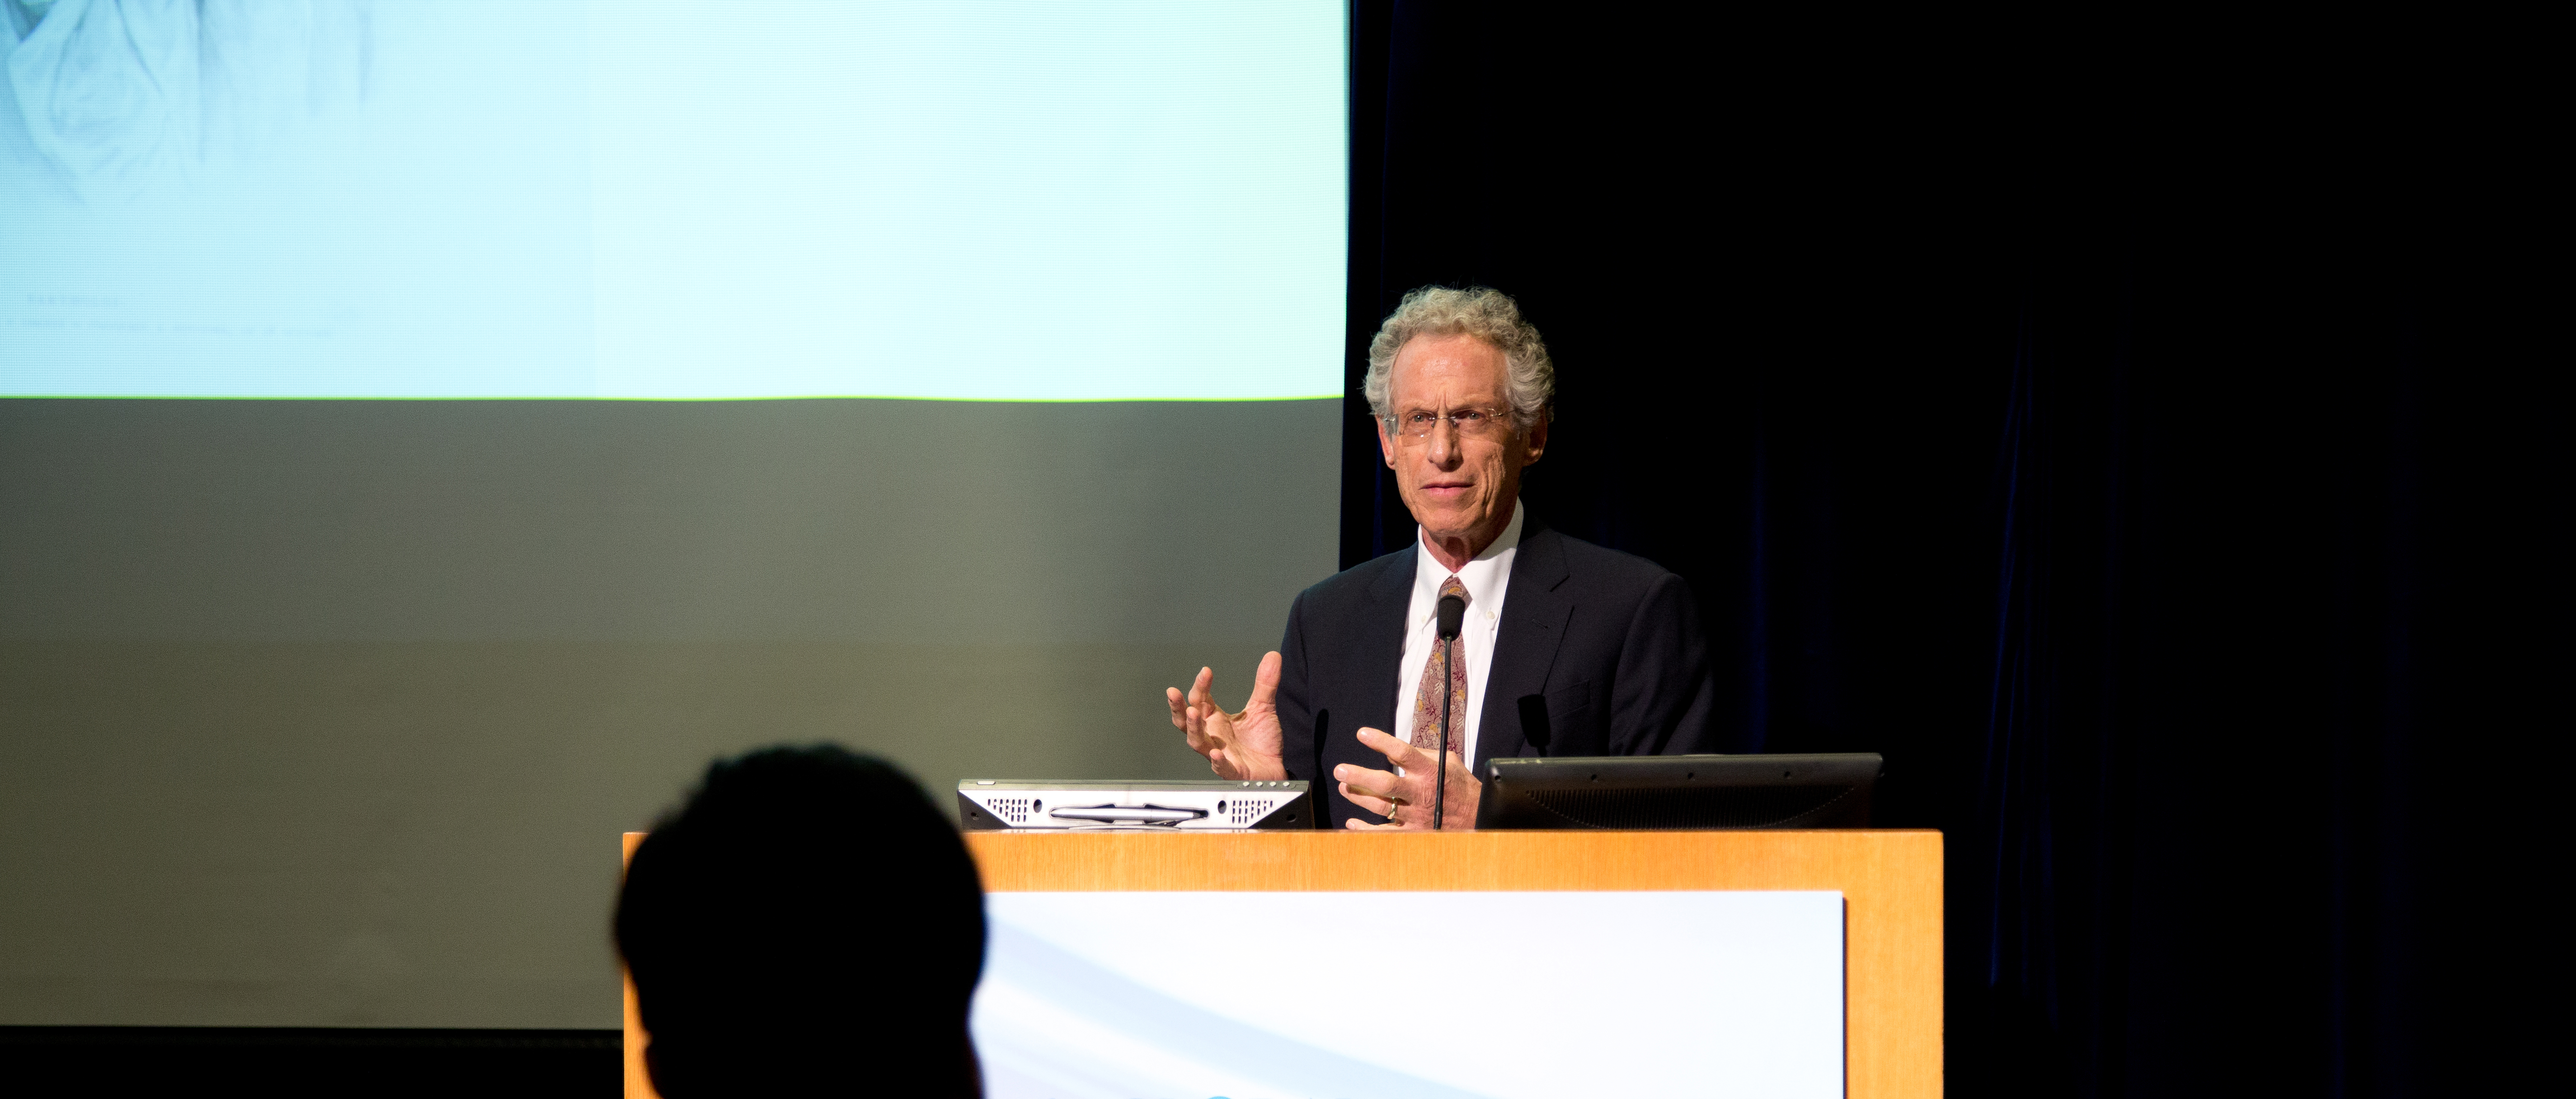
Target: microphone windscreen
1453,611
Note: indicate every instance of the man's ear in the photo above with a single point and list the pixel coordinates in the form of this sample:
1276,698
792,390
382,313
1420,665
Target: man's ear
1385,445
1537,437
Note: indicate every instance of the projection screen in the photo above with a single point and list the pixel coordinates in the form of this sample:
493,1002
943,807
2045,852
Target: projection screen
430,432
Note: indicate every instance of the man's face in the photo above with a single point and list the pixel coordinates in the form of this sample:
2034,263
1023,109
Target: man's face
1459,483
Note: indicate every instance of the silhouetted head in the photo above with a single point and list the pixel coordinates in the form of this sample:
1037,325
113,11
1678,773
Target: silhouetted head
806,924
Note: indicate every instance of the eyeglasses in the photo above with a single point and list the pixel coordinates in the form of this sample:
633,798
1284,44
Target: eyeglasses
1472,423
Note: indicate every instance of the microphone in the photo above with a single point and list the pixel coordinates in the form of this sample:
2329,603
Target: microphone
1453,612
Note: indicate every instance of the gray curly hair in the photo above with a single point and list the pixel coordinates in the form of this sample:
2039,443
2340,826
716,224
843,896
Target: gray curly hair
1480,311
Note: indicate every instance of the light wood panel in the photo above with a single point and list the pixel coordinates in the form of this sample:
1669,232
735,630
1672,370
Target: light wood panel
638,1085
1890,881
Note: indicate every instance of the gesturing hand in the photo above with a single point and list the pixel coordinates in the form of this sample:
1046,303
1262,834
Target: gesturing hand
1406,798
1242,745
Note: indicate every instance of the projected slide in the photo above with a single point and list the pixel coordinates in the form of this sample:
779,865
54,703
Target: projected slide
1262,995
1068,200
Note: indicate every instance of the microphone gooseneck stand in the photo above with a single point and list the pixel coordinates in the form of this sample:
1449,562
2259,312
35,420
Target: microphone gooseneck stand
1323,801
1453,611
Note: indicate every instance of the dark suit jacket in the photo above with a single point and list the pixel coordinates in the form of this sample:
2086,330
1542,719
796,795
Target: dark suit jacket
1599,653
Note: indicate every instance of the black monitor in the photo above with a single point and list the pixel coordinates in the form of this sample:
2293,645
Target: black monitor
1679,792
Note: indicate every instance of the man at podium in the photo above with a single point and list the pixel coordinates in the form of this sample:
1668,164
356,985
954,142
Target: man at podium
1549,645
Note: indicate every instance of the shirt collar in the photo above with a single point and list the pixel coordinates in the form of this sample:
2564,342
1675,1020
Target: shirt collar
1484,576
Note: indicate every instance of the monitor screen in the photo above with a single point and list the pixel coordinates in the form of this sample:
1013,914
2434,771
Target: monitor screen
394,666
652,199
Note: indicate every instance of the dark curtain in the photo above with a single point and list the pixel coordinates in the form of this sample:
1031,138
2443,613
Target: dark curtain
2164,490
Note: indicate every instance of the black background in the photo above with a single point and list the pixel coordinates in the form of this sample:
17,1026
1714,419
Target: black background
2125,429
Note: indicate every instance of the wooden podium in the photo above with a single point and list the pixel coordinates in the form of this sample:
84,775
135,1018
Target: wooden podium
1890,882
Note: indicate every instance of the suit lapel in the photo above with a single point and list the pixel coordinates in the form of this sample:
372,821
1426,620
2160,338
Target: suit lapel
1381,642
1535,610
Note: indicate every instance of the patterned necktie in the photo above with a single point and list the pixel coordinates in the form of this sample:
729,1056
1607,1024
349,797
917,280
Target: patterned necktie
1443,667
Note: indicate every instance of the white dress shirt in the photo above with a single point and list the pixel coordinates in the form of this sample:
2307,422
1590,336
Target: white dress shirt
1486,577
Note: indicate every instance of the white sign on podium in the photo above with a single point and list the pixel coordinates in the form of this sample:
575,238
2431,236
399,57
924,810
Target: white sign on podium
1121,995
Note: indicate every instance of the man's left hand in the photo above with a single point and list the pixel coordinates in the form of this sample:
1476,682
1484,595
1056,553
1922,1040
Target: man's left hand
1406,798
